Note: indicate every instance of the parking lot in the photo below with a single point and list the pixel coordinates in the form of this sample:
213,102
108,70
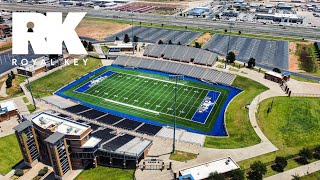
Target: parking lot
154,35
6,59
268,53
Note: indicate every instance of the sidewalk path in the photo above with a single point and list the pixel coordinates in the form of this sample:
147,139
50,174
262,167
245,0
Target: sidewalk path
300,171
3,90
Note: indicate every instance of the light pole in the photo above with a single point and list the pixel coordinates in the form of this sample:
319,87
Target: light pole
176,78
34,102
132,31
230,26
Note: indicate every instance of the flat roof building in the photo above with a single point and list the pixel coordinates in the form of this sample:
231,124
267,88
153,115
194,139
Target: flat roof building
73,145
202,171
7,110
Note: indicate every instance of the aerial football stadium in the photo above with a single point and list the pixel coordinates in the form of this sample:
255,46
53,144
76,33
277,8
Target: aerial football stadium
148,96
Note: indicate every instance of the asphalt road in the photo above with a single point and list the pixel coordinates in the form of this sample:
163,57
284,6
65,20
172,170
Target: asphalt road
246,27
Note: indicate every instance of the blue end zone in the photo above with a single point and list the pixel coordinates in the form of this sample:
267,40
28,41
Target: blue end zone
86,86
202,116
217,130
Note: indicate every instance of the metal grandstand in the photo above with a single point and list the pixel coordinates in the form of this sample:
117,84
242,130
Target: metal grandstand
268,53
181,53
203,73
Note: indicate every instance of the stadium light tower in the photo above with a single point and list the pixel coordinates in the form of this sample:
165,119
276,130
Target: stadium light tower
176,78
230,26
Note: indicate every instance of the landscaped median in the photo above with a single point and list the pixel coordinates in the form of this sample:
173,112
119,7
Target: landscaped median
293,126
241,133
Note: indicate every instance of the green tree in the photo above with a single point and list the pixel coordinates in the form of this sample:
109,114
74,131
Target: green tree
276,70
170,42
197,45
9,81
231,57
280,163
239,32
117,38
296,177
126,38
135,39
237,174
18,172
85,44
225,30
257,170
90,47
305,155
251,63
316,153
179,43
215,176
13,76
160,42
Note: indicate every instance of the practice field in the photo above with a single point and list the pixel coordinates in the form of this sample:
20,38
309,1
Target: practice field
268,53
148,97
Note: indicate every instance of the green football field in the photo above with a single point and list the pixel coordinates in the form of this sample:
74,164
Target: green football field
151,97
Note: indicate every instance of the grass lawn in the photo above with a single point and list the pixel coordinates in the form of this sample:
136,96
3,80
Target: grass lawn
10,153
292,124
102,172
182,156
15,89
308,58
31,108
46,85
241,134
312,176
25,100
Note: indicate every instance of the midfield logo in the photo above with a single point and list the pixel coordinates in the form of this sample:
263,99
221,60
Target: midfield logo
46,32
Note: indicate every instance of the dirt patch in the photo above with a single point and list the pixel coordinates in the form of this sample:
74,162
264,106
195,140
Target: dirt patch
99,30
203,39
293,58
161,4
5,45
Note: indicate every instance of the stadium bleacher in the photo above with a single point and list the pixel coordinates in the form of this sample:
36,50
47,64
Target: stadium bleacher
128,124
109,119
104,135
92,114
181,53
77,108
93,126
268,53
211,75
118,142
149,129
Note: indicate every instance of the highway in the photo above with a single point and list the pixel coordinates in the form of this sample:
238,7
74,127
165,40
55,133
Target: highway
295,31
